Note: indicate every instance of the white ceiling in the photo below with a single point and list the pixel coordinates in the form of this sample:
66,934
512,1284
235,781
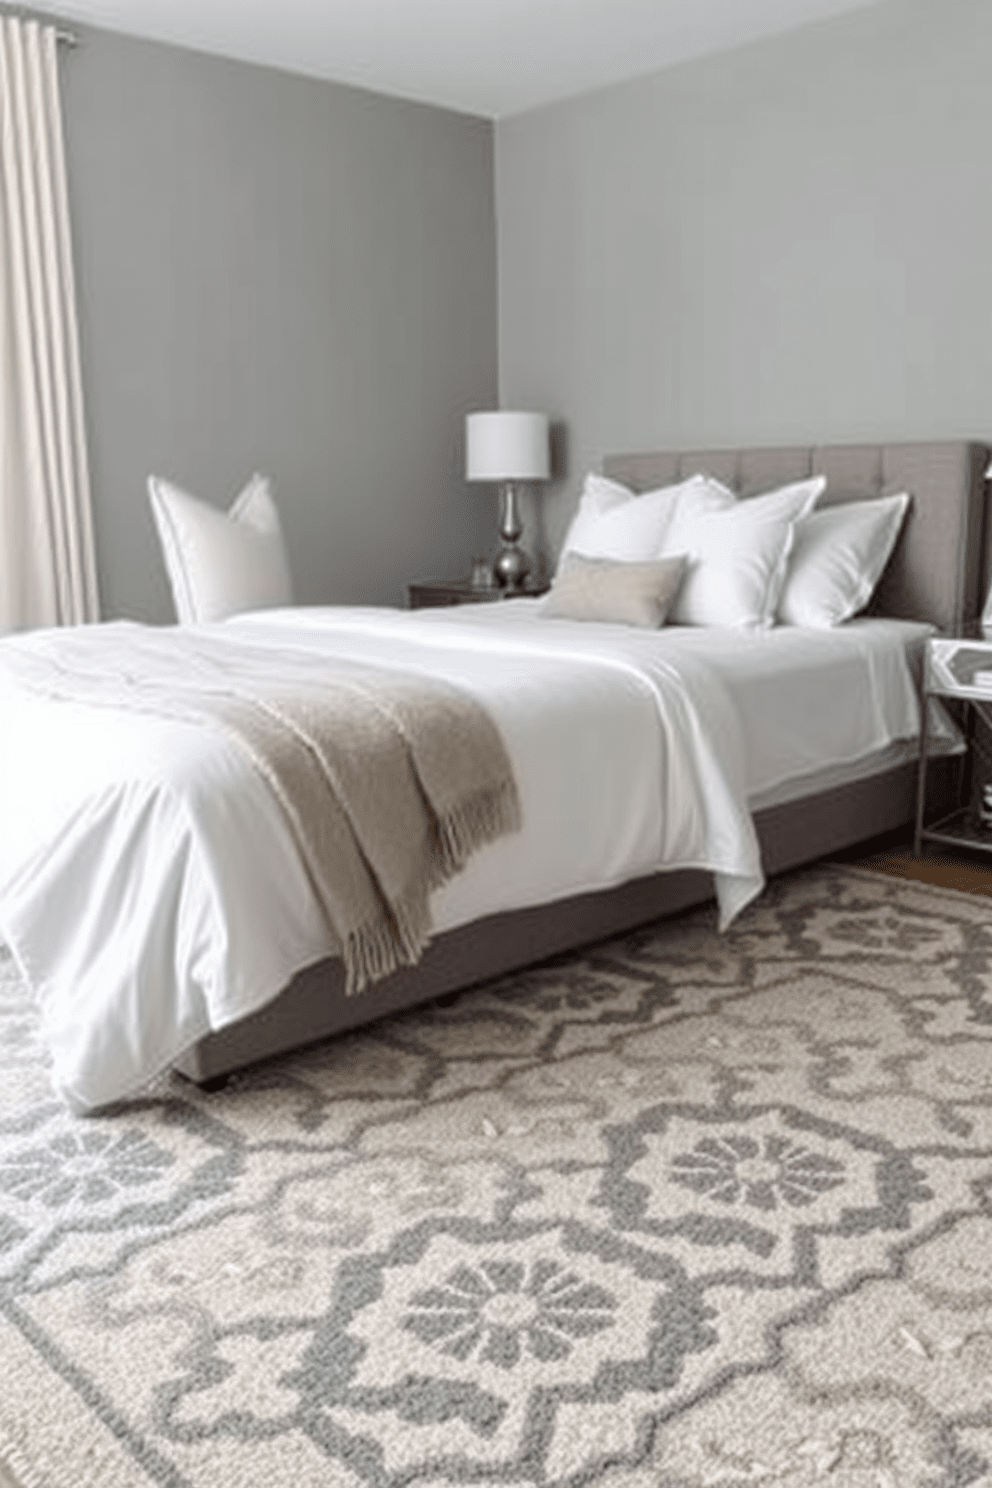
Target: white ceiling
490,57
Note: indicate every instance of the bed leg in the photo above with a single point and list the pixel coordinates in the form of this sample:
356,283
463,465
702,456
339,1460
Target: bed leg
217,1082
209,1086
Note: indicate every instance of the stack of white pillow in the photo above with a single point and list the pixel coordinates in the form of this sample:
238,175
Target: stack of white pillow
719,560
690,553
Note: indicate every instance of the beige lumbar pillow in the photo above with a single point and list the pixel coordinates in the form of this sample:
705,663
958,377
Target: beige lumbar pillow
614,590
220,563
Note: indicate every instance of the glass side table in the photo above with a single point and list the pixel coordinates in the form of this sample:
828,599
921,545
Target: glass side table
960,668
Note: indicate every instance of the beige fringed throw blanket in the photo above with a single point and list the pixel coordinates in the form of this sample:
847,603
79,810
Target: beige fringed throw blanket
389,780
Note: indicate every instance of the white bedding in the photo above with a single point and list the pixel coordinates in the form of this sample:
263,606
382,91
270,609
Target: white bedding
151,890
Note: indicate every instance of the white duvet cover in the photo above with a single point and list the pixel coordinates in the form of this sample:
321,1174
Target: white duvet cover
151,890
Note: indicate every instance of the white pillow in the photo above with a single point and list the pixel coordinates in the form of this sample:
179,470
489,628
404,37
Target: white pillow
220,563
599,495
735,572
792,501
838,558
735,567
612,522
618,593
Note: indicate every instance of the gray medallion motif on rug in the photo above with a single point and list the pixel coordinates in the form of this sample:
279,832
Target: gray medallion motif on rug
683,1211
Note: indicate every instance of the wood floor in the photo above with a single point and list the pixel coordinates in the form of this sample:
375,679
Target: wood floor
969,872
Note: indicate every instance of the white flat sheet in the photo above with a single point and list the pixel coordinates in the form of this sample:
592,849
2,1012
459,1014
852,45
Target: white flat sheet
151,889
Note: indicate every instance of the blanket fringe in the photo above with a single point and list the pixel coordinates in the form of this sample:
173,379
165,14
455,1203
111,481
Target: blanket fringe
382,946
479,819
379,947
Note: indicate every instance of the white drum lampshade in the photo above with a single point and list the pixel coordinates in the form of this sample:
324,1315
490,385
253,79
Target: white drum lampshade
508,447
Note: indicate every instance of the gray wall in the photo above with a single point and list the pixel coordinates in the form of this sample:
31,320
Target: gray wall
790,242
279,274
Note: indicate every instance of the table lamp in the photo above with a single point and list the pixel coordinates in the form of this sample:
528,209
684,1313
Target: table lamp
508,448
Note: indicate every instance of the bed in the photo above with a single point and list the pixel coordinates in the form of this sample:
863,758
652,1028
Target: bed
934,577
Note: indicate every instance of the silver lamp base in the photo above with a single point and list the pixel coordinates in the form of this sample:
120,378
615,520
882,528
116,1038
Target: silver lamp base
511,568
512,565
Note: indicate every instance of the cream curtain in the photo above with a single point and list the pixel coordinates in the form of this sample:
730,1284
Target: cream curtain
47,562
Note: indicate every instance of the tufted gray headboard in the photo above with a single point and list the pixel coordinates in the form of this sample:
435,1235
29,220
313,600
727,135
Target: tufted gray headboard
938,571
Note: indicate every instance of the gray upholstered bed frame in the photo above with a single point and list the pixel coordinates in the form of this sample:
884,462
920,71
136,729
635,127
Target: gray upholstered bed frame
937,573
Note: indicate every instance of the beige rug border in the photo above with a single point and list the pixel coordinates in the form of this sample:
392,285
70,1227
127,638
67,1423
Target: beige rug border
40,1436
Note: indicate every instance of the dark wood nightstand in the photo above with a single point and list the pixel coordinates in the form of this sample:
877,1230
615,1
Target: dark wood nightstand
435,592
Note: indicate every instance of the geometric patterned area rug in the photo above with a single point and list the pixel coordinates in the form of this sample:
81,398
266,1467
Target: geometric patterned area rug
682,1211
